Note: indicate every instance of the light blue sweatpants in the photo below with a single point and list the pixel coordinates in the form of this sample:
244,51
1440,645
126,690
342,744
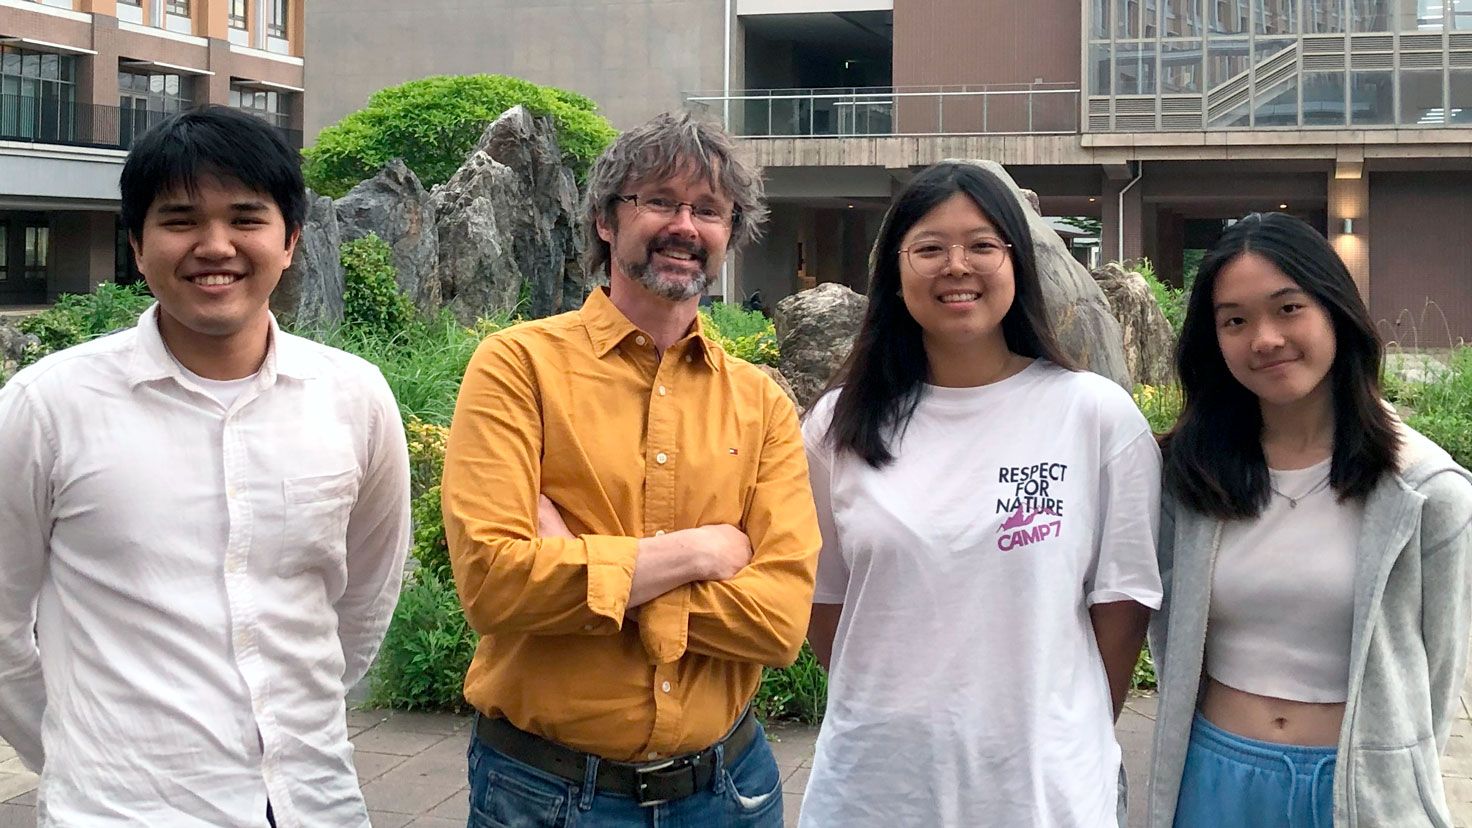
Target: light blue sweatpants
1234,782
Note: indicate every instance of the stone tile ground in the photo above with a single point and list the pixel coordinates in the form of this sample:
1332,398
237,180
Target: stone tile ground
412,766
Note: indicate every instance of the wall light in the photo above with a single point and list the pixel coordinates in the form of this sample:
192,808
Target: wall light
1349,226
1282,206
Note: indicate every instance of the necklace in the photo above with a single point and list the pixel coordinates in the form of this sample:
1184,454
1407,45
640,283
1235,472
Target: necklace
1294,499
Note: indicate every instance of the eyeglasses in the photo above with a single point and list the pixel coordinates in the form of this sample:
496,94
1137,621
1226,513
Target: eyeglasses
667,208
983,256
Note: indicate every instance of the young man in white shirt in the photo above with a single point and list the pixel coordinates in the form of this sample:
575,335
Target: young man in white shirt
203,520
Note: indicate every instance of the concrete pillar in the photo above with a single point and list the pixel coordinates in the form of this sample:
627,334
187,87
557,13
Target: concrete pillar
215,89
107,7
1132,219
296,27
1170,247
211,18
85,252
1349,199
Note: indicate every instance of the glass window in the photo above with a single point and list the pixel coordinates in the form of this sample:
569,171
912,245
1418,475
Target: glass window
38,96
130,2
1420,98
270,106
1226,59
37,247
1237,116
1461,14
1099,19
1277,107
1369,15
1150,23
1264,48
276,26
1227,16
1275,16
180,7
238,12
1372,98
1181,70
4,252
1127,19
1323,99
1429,16
1323,16
144,100
1134,68
1460,89
1099,74
1181,18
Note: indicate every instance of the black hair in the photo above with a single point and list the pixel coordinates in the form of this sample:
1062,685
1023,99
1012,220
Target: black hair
1214,460
218,141
882,377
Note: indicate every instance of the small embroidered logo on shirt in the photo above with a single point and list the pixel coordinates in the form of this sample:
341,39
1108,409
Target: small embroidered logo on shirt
732,451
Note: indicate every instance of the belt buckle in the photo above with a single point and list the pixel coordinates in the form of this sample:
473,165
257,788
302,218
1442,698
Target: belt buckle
641,773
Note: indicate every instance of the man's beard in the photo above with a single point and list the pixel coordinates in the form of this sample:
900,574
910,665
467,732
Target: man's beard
674,288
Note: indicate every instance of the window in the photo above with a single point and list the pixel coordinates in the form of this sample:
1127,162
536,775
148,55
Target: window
1100,18
1429,15
1461,11
144,100
1324,16
38,96
270,106
1275,17
1372,98
276,26
1181,18
4,252
1099,73
1228,16
1134,68
1420,98
1180,67
1369,15
37,247
238,11
179,7
130,2
1323,98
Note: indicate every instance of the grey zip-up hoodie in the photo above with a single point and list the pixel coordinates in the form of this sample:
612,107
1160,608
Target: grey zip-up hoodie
1408,651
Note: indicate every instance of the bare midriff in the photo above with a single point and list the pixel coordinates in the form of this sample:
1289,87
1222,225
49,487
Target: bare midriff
1280,721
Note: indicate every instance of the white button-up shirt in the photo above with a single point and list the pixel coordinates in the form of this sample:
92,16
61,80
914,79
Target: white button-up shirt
188,590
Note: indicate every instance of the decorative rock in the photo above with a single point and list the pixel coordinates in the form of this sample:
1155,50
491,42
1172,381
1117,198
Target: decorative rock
1149,342
782,383
310,292
507,224
1082,322
394,206
13,348
815,329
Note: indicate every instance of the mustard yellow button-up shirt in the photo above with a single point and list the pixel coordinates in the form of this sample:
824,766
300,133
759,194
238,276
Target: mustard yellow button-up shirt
581,407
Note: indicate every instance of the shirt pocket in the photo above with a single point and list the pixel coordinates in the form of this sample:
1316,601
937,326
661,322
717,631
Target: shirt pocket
315,522
1399,787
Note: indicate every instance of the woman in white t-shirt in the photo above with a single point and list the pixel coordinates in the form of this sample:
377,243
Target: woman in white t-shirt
988,519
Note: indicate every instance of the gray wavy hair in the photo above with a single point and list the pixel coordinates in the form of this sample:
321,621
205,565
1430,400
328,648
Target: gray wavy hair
671,145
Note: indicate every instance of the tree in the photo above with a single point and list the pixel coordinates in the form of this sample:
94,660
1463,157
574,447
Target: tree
433,123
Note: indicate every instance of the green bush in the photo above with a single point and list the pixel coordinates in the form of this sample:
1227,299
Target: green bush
798,693
1441,408
427,650
1172,301
433,123
371,297
744,334
1144,675
1161,405
78,317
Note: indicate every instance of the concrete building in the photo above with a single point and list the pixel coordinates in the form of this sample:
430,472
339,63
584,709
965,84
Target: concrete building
1162,118
79,79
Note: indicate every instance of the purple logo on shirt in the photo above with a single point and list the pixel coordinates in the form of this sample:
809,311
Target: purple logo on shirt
1032,497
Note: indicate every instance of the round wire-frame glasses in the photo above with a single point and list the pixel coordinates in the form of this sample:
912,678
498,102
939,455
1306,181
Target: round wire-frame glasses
983,256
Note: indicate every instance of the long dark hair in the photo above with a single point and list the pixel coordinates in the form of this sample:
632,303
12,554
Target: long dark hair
881,379
1214,461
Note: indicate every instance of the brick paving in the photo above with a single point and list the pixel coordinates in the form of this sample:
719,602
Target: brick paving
412,766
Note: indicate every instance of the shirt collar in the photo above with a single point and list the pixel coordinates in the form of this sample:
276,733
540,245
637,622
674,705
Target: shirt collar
152,360
608,328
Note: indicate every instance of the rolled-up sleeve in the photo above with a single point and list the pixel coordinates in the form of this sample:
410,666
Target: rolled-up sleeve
508,578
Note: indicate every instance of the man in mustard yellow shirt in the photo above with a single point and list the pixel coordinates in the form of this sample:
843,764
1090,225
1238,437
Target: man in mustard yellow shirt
629,520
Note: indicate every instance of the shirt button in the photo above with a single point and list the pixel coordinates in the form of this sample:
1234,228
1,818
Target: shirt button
688,358
661,391
661,458
639,340
665,687
230,492
658,532
587,628
653,754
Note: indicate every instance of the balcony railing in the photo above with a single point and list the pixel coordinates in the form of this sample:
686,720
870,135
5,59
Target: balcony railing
49,121
897,111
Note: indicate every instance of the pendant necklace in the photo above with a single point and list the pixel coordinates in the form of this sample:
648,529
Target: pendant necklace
1293,500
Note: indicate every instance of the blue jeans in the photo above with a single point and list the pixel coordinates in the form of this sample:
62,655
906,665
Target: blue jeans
1230,781
745,790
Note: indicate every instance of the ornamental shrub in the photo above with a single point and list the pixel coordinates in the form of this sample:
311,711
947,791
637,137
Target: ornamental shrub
744,334
427,650
371,297
78,317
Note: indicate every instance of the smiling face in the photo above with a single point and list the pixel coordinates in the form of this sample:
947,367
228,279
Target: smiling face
671,237
954,300
212,258
1277,340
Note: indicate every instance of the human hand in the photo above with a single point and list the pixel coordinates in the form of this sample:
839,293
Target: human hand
721,549
549,520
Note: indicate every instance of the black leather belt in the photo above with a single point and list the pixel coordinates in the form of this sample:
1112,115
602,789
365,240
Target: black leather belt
650,783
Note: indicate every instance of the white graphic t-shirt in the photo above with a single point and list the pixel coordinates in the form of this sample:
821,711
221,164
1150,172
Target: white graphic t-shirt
967,688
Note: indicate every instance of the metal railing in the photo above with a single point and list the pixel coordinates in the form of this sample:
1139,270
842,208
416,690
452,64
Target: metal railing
50,121
897,111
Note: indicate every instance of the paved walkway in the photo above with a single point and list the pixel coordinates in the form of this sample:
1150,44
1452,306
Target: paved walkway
412,767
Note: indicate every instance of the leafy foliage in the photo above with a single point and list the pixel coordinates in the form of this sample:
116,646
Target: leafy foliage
1441,407
1161,405
799,692
78,317
371,297
1143,677
744,334
433,123
427,651
1172,301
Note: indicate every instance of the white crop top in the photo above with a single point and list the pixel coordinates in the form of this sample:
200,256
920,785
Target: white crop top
1282,596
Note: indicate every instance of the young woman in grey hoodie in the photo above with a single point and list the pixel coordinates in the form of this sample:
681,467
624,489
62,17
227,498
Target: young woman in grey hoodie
1316,559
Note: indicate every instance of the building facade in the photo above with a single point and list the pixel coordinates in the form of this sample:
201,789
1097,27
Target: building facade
80,79
1162,118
